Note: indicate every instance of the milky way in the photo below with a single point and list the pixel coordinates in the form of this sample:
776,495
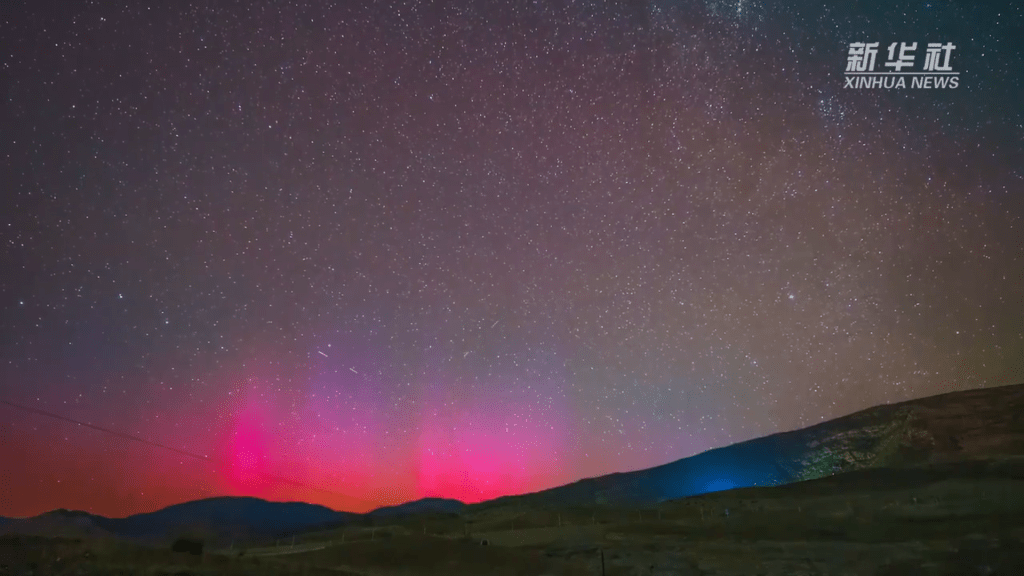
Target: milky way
360,255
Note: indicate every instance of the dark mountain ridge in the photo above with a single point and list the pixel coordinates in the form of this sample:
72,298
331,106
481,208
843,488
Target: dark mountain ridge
949,428
421,506
219,519
952,427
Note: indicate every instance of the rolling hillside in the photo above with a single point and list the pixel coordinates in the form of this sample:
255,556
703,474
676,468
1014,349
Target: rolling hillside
983,424
954,427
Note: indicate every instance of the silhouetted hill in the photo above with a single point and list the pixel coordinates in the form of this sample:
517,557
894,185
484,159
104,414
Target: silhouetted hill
62,523
218,519
229,516
422,506
953,427
77,516
985,424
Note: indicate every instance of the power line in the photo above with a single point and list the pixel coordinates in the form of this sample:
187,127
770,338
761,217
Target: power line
176,450
108,431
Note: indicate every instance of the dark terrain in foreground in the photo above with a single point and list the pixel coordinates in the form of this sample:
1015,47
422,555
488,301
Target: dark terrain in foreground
933,487
952,519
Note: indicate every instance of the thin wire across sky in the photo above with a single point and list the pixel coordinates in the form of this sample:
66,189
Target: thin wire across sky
203,457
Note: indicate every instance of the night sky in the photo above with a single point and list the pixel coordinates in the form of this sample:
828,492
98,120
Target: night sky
472,248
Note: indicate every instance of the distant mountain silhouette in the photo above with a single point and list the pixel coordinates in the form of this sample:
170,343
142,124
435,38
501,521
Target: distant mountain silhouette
950,428
228,516
953,427
421,506
66,523
220,519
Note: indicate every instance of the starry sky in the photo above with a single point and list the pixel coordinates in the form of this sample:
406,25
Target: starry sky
357,255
